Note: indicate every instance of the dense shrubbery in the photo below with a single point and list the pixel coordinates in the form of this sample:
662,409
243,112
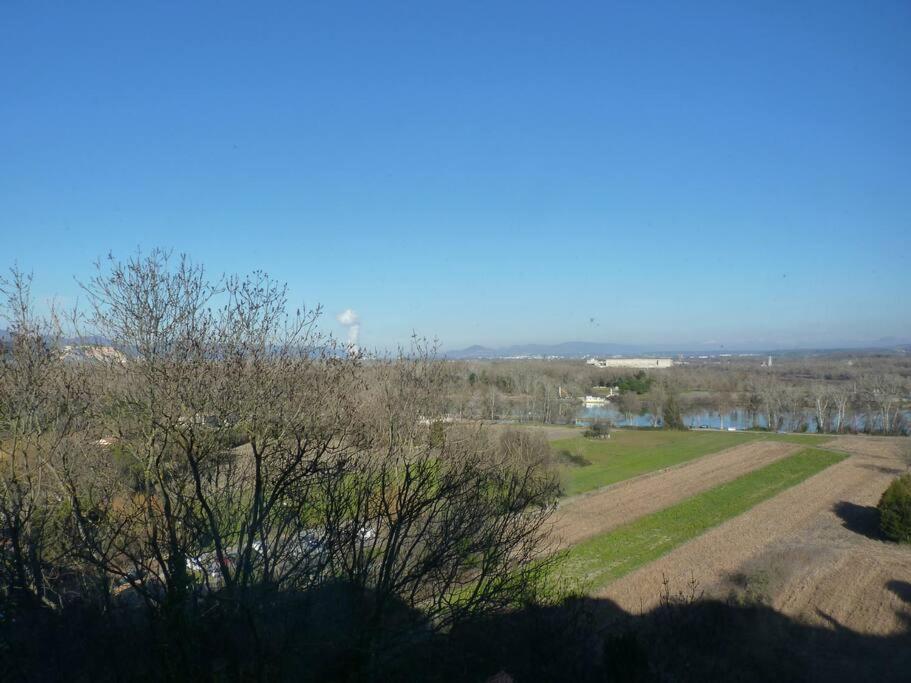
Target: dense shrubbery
639,383
599,429
567,457
895,510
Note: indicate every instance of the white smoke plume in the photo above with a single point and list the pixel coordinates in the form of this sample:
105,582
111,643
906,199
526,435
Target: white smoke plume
348,318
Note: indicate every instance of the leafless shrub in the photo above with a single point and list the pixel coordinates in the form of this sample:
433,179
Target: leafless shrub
454,529
41,410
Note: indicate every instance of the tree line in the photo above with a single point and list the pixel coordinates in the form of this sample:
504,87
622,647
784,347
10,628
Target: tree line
843,393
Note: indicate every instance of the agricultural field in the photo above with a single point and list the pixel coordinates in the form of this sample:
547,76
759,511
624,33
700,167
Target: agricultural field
594,463
609,556
601,510
812,552
787,521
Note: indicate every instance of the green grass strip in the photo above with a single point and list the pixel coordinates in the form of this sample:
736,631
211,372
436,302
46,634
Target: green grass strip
629,453
607,557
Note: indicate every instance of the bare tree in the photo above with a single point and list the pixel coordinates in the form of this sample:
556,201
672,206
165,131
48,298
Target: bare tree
723,403
221,449
654,401
772,394
40,410
883,395
203,512
824,401
630,405
454,529
842,396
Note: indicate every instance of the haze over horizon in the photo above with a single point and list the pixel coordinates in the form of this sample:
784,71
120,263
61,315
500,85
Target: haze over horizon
712,347
671,175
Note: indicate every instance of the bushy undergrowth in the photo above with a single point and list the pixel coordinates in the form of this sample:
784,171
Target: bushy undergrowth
567,457
599,429
895,510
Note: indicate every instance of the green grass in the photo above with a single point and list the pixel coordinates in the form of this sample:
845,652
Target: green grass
631,452
602,559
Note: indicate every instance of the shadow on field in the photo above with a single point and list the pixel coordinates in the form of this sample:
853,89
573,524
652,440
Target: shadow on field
702,641
319,638
894,471
902,589
861,519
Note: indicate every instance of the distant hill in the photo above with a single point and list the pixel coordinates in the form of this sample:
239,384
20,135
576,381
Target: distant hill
573,349
92,339
579,349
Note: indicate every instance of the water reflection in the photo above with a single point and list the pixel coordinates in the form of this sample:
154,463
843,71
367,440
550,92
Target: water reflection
737,419
706,419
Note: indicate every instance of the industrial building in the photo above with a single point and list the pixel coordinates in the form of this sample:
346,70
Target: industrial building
636,363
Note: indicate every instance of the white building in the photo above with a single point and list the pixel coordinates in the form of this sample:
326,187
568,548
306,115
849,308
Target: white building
600,400
636,363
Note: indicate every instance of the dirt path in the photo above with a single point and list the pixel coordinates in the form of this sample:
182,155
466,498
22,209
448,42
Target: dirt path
599,511
812,552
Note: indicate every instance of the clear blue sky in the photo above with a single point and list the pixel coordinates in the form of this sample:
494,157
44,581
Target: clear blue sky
485,172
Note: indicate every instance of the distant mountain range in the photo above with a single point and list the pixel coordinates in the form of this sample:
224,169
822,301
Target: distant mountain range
92,339
573,349
579,349
582,349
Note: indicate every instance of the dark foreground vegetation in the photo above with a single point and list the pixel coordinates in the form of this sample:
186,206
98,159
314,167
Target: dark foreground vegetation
313,637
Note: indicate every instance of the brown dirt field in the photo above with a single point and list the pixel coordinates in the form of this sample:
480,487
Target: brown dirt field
889,448
550,432
599,511
812,552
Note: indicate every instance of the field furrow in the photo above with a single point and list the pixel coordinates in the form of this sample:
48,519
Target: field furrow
600,511
812,551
